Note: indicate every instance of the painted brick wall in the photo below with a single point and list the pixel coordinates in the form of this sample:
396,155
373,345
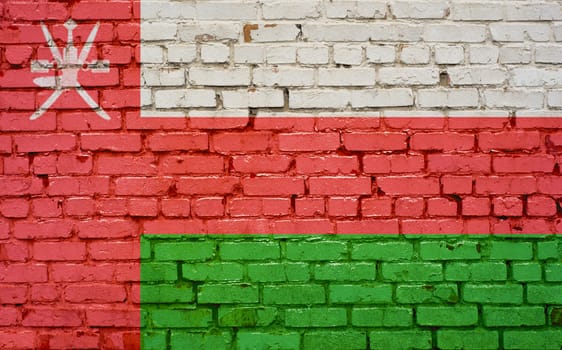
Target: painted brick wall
314,117
351,292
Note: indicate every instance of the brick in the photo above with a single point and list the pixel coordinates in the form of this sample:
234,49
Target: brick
316,251
207,185
529,339
408,185
350,55
526,272
449,54
23,101
283,76
326,164
456,184
346,77
387,251
342,206
44,143
261,163
509,184
153,272
65,186
111,207
278,272
511,250
400,339
456,316
212,272
537,12
73,339
448,251
553,272
192,251
518,32
319,99
16,166
120,165
316,317
43,230
382,317
493,294
95,293
345,271
339,185
507,206
23,339
47,317
477,271
412,207
176,318
178,141
474,339
547,250
393,163
249,251
514,99
74,164
227,294
360,294
44,293
247,340
441,207
497,316
13,294
414,271
180,339
240,207
309,206
139,186
376,207
442,142
408,76
512,54
15,251
246,316
247,142
309,142
389,226
288,294
374,142
332,340
107,228
142,207
208,207
438,293
111,142
527,164
14,208
113,10
549,185
273,186
113,250
59,251
458,164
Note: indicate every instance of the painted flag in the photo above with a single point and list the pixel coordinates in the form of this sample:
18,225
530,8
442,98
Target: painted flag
278,174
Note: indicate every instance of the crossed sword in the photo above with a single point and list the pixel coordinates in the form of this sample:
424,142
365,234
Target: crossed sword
70,63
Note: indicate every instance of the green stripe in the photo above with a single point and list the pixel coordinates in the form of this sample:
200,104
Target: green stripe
351,292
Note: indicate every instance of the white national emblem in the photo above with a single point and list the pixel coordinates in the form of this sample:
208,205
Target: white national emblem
69,63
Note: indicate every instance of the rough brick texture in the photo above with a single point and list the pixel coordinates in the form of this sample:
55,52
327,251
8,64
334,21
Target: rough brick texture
353,292
277,117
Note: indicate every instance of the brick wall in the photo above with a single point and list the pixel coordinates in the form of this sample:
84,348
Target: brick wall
354,292
314,117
